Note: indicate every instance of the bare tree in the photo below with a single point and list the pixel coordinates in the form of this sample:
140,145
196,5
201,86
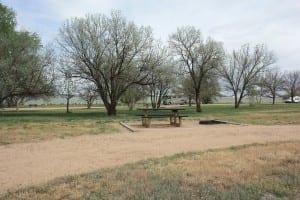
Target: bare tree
69,88
133,95
88,93
210,88
109,51
292,83
161,81
161,74
198,57
243,67
271,83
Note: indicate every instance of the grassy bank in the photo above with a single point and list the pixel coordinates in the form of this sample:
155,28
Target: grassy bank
48,123
243,172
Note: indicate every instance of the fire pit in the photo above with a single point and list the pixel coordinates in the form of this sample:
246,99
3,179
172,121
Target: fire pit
211,122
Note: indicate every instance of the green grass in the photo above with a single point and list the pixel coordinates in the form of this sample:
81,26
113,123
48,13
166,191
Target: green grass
261,114
225,111
244,172
44,124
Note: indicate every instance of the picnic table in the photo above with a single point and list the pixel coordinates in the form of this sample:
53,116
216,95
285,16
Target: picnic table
149,113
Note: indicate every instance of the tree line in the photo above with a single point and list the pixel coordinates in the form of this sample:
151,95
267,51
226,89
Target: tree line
119,61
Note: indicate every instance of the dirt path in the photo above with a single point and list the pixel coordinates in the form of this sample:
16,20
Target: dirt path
22,165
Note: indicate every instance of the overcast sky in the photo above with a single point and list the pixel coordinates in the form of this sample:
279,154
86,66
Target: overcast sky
275,23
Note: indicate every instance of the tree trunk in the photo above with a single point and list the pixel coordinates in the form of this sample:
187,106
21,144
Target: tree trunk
236,102
89,105
68,102
130,105
89,102
237,105
18,105
190,101
111,107
111,110
274,100
198,102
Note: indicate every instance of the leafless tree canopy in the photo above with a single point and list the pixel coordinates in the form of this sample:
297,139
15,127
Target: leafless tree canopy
197,57
272,82
88,93
161,76
242,69
292,83
109,51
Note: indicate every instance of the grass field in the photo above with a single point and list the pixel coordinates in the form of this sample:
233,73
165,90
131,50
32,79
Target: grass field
44,124
242,172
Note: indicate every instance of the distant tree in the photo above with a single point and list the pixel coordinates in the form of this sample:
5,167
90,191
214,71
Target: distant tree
162,80
69,88
199,58
186,87
161,74
133,95
210,88
242,69
109,51
88,93
292,83
272,83
26,68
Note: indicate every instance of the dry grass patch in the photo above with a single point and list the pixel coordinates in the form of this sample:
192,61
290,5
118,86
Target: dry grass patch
243,172
267,118
31,132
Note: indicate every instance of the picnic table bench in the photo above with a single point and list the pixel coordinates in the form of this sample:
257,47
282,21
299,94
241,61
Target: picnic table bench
174,116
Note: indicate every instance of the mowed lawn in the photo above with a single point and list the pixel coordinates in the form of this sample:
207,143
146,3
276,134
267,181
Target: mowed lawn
256,171
45,124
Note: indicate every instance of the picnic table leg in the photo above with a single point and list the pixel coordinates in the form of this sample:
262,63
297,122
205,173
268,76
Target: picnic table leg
171,119
143,121
146,121
179,122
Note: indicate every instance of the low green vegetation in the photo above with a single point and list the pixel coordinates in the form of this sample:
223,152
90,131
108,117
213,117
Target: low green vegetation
47,123
245,172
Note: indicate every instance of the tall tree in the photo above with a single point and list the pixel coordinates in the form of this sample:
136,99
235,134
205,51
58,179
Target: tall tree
108,51
292,83
161,74
242,70
198,57
26,68
272,82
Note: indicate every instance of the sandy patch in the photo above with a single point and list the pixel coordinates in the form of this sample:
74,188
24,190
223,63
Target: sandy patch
35,163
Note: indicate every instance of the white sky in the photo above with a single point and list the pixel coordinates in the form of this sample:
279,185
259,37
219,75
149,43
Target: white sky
275,23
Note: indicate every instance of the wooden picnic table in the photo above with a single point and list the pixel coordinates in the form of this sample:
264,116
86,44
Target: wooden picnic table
148,114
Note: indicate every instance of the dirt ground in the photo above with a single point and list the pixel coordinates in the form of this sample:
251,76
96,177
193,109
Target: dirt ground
28,164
